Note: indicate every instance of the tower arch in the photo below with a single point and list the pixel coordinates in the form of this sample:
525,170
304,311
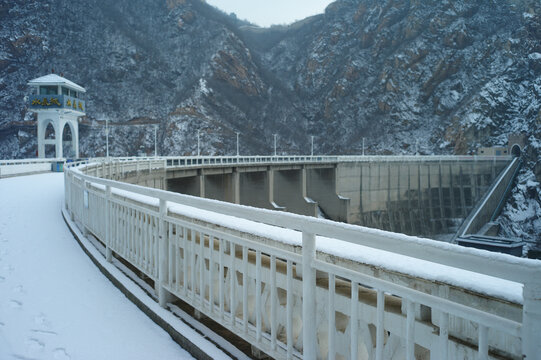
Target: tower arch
47,134
70,139
50,131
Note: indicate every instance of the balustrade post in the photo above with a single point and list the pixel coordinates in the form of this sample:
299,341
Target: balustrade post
410,330
531,319
70,204
163,258
108,250
86,206
66,189
309,343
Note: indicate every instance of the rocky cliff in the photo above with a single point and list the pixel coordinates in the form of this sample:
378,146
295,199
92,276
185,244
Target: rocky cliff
426,76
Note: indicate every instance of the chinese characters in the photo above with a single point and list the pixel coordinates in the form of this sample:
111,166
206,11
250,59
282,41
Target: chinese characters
52,101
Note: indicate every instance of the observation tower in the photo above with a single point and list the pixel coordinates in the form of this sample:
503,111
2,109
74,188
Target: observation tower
58,103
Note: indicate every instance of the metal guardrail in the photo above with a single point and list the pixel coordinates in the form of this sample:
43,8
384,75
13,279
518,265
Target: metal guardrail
142,226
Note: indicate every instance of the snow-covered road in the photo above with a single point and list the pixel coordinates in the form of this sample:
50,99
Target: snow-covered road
54,302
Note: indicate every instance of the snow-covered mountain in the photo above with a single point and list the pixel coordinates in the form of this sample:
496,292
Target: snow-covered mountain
446,76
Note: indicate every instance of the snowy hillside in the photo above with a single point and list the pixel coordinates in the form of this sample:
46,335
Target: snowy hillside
444,76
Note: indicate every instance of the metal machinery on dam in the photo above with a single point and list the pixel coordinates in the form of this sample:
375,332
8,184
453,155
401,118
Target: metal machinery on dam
424,196
298,287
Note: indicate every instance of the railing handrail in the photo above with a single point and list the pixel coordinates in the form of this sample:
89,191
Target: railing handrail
29,161
344,158
492,264
278,158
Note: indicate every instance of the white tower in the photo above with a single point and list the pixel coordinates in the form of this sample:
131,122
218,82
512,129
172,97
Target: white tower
58,103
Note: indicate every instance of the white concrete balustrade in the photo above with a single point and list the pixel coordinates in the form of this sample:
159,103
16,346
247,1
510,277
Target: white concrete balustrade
300,287
25,166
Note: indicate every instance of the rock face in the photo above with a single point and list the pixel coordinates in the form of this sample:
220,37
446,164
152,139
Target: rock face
437,76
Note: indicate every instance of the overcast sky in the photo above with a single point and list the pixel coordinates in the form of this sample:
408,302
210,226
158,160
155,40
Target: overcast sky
269,12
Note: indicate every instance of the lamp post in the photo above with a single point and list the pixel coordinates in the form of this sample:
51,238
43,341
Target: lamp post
238,143
198,144
312,152
363,146
275,144
107,138
155,140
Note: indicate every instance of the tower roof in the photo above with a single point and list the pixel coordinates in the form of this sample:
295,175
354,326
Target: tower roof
53,79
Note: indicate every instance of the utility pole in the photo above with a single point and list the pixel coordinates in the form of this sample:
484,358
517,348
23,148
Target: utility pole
198,144
275,144
155,140
238,143
363,146
312,152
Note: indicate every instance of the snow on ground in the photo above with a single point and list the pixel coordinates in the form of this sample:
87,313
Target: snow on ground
54,302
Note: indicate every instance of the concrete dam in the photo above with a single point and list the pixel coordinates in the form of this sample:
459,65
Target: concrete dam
417,195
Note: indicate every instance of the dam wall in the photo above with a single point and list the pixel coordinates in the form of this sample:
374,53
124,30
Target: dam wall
417,195
420,197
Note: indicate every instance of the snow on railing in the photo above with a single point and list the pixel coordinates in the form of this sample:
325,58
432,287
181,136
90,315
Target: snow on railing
254,270
26,166
220,160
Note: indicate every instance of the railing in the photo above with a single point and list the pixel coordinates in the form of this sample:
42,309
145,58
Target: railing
12,166
28,166
126,164
224,160
254,270
25,166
